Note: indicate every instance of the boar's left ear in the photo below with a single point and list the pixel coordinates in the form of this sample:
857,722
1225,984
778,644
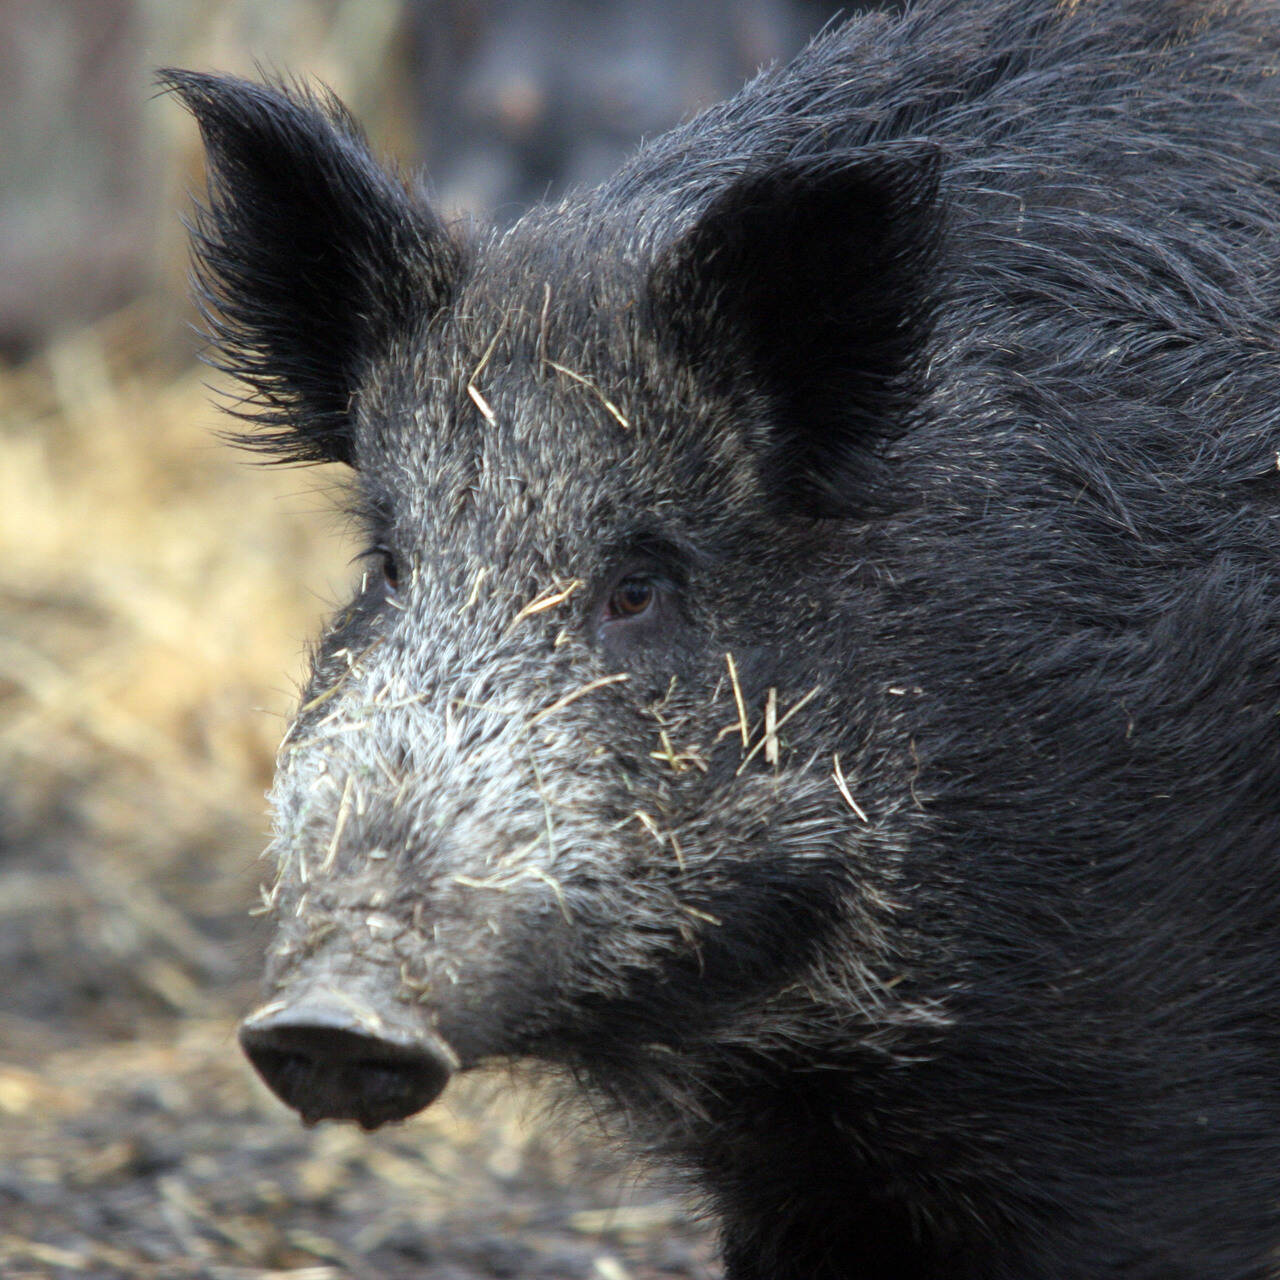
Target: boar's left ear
308,257
814,278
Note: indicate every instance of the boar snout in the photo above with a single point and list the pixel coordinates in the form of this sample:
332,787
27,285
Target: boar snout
331,1058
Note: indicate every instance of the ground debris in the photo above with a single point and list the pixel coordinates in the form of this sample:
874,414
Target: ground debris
165,1160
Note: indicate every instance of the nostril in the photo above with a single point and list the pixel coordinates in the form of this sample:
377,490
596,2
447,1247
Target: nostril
322,1058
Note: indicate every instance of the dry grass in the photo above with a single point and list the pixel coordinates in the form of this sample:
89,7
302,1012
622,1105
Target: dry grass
195,571
155,593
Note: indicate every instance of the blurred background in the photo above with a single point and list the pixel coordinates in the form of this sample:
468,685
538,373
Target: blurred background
157,591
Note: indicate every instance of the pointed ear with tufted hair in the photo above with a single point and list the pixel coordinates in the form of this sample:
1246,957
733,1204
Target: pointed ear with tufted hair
815,276
308,256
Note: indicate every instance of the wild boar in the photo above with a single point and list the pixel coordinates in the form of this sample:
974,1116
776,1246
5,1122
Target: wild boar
815,682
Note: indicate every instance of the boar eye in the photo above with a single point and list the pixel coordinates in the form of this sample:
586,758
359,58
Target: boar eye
390,569
631,598
638,611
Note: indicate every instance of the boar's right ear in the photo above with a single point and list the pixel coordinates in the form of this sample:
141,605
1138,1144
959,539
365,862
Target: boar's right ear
814,277
308,257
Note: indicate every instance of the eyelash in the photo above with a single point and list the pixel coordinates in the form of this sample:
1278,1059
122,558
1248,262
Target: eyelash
390,569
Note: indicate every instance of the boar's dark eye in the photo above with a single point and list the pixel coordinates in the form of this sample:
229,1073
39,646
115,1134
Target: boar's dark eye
385,566
638,613
631,598
638,610
390,569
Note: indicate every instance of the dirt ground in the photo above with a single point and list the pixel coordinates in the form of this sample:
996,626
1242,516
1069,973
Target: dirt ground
156,592
160,1158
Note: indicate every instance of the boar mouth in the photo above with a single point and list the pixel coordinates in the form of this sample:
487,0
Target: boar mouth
331,1058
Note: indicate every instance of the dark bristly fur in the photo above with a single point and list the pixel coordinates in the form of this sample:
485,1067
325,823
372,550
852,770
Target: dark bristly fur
821,691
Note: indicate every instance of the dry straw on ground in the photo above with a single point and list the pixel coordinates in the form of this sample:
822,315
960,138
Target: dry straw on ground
153,590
